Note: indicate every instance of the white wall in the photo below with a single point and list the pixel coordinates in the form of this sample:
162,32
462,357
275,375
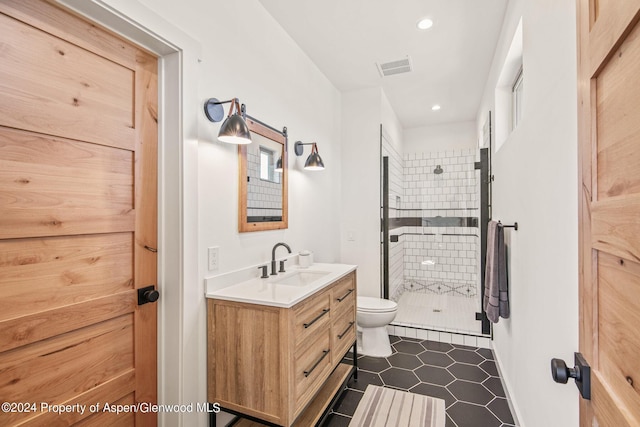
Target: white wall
360,237
363,111
536,185
391,124
447,136
245,54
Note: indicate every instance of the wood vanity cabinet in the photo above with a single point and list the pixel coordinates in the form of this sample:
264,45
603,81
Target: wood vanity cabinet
281,365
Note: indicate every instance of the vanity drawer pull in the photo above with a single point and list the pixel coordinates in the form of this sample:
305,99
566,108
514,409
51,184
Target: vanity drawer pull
306,325
345,295
345,331
315,365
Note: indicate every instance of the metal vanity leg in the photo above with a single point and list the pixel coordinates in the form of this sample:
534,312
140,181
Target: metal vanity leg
212,416
355,360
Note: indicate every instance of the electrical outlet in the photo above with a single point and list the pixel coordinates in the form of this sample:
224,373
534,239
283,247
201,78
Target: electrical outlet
214,258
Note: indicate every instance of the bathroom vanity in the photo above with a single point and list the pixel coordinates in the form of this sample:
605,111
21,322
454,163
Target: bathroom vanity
275,345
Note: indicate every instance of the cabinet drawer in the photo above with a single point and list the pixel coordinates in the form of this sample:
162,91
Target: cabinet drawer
343,294
310,316
312,365
343,334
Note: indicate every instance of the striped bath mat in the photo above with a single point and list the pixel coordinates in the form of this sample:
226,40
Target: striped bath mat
386,407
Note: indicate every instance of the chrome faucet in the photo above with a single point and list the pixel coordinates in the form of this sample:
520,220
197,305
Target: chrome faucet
273,258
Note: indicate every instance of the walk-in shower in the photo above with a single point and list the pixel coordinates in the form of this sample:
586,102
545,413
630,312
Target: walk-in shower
432,213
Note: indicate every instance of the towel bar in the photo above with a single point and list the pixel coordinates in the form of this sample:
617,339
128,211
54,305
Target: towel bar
514,226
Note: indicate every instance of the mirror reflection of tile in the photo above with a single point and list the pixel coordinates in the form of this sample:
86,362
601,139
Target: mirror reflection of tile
264,184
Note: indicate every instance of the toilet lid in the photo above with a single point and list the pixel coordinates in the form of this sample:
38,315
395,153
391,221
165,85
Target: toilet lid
376,304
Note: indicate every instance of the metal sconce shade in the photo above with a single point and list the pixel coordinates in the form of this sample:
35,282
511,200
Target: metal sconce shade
234,129
314,161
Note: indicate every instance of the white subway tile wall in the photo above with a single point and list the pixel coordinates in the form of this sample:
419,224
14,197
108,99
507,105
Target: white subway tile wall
264,198
429,258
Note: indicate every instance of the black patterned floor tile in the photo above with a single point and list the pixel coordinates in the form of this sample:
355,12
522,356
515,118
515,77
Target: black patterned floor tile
467,372
468,415
405,361
490,368
373,364
364,379
434,358
348,402
470,392
500,409
495,386
464,347
410,339
399,378
434,391
465,356
337,420
486,353
393,338
434,375
436,346
466,378
408,347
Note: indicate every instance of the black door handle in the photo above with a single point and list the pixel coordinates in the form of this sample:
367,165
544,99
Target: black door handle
581,372
561,373
148,294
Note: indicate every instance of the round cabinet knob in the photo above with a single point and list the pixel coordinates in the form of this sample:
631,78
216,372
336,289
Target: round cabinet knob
151,295
559,371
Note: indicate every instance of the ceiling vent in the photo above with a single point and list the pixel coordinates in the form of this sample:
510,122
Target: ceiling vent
394,67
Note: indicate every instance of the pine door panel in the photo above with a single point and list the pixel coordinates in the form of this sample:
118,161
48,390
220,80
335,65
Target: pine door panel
77,95
78,217
609,147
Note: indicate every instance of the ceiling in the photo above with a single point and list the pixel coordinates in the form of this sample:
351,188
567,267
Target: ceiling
450,61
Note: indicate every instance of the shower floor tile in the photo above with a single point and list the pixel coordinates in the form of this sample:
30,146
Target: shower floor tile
450,313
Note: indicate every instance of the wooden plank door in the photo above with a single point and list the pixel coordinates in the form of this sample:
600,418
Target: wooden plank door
78,209
609,147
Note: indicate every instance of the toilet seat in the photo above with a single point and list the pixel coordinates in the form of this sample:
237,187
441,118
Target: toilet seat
375,305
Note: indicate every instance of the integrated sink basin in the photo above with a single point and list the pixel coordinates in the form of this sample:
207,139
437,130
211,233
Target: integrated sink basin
282,290
301,278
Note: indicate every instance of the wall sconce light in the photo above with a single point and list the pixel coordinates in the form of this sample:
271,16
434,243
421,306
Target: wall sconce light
234,129
314,162
278,167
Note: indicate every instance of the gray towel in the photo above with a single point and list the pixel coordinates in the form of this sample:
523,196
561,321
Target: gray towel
496,295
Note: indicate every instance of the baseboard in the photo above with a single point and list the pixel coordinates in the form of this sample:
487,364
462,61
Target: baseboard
513,406
472,340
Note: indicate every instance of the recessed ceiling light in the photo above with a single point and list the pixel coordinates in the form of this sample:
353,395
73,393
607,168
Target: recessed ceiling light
435,107
425,24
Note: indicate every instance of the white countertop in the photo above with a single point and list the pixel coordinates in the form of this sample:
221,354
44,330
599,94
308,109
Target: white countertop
269,292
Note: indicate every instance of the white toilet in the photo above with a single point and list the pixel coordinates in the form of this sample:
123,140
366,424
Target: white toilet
373,316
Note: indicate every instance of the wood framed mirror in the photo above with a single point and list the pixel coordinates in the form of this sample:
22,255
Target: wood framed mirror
263,186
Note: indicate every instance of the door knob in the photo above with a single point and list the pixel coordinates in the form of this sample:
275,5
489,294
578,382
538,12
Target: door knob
148,294
581,372
561,373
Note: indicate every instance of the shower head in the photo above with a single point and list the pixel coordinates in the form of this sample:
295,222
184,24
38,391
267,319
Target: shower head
438,170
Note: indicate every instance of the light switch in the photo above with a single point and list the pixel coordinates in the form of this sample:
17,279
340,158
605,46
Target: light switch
214,255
